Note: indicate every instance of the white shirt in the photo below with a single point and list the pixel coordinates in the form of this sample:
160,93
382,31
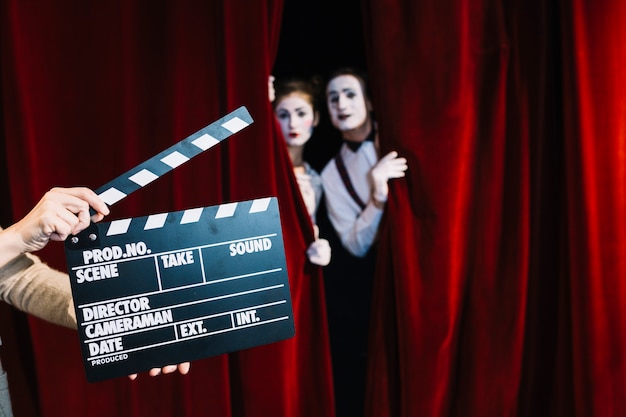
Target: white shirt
356,228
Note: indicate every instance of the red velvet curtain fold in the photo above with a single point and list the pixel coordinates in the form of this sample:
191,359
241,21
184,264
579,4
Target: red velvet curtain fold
595,124
500,286
90,91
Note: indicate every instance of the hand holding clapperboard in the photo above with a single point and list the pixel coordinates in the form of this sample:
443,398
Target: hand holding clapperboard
174,287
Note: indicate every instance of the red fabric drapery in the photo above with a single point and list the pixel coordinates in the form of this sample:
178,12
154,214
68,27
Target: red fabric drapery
500,286
500,280
92,90
595,126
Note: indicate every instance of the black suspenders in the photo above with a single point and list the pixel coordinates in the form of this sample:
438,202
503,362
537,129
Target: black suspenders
343,173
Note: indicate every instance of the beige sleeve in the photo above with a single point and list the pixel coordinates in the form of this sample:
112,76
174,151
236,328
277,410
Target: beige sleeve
33,287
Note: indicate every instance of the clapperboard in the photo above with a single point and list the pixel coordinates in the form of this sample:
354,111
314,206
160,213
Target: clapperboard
174,287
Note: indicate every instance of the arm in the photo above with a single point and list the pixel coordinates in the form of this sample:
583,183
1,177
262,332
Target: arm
309,182
27,283
358,227
32,286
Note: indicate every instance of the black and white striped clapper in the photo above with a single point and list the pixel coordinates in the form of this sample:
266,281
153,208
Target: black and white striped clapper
175,287
173,157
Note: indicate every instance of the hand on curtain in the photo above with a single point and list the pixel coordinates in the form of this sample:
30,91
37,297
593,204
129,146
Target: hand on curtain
389,166
319,252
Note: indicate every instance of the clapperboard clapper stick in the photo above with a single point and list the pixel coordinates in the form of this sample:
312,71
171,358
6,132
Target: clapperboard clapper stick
175,287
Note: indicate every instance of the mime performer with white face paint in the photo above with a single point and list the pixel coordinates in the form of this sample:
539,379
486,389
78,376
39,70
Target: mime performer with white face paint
356,190
294,107
356,180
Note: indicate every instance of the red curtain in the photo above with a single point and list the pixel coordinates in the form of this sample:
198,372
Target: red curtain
595,126
89,91
500,281
500,285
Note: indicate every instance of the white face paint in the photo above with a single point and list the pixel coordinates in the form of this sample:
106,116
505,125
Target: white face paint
296,118
346,103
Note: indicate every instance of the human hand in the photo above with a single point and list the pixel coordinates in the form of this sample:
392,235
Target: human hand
271,91
60,213
389,166
319,252
183,369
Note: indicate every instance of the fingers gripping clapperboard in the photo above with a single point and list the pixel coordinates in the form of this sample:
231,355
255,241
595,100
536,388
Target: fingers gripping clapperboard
174,287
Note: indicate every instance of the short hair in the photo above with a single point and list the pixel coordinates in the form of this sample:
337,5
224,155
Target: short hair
361,76
308,87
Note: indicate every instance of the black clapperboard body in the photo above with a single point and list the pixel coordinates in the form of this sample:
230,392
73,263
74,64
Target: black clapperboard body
175,287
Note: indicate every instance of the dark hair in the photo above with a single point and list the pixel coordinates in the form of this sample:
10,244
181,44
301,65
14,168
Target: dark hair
309,87
361,76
